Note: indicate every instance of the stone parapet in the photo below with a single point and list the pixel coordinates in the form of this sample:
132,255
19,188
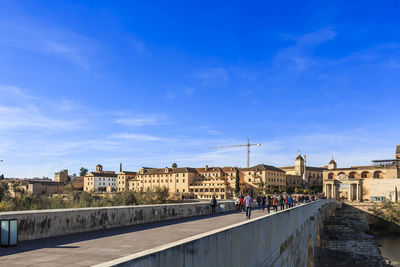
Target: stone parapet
48,223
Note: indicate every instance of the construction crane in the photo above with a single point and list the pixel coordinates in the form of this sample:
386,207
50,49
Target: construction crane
248,145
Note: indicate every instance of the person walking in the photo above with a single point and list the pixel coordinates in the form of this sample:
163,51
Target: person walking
248,201
241,203
282,203
263,202
213,204
275,203
269,203
290,201
259,201
237,204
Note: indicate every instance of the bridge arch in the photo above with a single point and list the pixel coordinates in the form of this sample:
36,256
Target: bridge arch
365,174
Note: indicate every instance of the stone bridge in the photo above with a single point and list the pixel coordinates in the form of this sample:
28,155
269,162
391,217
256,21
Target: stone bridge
167,235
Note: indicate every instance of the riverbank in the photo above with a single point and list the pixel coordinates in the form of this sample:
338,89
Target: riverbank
389,245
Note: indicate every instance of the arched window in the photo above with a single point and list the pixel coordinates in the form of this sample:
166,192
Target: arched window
378,174
365,174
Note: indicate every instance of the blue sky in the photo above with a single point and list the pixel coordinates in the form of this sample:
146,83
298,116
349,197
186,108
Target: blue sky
149,84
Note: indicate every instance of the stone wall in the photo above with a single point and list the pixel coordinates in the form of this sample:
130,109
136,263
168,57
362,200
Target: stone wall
286,238
48,223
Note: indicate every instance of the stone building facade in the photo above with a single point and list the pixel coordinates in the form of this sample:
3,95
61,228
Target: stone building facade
363,183
302,175
100,181
61,177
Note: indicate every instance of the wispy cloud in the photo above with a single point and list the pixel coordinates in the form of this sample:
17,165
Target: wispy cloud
213,77
298,57
136,137
143,120
29,35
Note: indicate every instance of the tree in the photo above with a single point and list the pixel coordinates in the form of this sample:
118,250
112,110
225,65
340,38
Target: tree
2,177
174,165
251,191
83,171
237,184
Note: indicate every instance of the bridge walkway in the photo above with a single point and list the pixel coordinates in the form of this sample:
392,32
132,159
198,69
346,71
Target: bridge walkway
89,248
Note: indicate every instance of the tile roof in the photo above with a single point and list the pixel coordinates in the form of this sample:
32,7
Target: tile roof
102,174
261,167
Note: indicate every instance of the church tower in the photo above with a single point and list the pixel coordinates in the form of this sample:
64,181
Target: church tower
299,165
99,168
332,164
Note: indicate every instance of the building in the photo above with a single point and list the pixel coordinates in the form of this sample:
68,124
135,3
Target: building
302,175
123,178
33,187
100,181
377,181
212,181
61,177
177,180
264,176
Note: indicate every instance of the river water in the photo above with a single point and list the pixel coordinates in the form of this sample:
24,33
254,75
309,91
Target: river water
390,248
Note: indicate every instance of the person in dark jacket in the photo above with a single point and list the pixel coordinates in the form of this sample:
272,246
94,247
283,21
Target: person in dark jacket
263,202
213,204
269,203
282,203
259,202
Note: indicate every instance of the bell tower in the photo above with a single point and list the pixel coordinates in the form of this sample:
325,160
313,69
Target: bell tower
299,165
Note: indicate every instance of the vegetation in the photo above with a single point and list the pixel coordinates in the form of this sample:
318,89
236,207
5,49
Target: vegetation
75,199
237,184
389,212
83,171
174,165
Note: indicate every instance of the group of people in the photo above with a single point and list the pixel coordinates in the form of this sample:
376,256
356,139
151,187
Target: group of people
270,202
266,202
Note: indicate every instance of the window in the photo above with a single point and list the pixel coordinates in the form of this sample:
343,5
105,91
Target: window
183,175
183,181
177,180
183,190
177,190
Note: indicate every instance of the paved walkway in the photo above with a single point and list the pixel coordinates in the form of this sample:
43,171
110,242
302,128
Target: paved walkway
91,248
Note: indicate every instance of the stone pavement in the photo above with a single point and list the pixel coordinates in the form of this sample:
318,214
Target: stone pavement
86,249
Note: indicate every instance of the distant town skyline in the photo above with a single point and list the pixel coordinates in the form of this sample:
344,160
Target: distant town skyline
148,84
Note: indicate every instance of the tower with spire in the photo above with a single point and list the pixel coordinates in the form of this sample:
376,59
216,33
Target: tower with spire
332,164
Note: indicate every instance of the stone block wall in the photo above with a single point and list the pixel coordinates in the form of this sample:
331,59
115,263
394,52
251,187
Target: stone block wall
48,223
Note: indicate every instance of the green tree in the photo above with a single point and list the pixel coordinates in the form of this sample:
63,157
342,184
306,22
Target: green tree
3,190
2,177
83,171
237,184
174,165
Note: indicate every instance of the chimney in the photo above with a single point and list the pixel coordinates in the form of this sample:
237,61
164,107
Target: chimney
120,167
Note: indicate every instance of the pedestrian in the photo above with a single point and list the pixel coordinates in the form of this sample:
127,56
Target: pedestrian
282,203
286,202
237,204
269,203
275,203
259,202
263,202
290,201
213,204
248,201
241,203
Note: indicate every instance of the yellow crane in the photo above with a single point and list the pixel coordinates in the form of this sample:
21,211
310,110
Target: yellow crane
248,145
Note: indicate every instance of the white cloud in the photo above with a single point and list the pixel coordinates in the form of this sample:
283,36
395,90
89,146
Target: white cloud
137,137
143,120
